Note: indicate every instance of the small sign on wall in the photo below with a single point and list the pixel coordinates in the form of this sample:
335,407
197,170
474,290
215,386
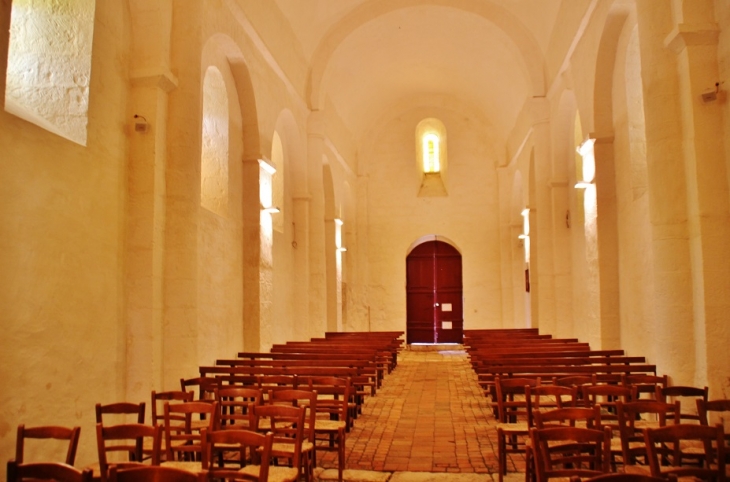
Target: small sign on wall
446,307
446,325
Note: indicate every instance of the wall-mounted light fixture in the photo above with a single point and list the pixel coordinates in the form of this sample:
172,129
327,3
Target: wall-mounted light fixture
341,249
270,210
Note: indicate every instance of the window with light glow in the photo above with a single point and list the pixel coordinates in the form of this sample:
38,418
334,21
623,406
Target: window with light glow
431,157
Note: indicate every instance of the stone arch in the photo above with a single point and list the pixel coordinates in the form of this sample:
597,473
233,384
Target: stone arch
432,237
215,138
531,57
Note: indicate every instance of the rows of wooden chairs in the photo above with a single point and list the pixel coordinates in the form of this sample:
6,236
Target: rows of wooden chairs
620,409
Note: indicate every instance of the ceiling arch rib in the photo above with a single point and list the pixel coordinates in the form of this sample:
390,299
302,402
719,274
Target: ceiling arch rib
530,56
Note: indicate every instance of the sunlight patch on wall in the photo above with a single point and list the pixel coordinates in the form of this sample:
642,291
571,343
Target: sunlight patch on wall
49,65
214,153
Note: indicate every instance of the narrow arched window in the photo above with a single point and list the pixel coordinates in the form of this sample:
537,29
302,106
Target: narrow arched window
431,157
431,160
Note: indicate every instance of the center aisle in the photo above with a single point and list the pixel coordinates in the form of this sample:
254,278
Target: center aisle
429,416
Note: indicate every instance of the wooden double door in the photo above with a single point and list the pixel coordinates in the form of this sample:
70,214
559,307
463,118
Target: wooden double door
434,307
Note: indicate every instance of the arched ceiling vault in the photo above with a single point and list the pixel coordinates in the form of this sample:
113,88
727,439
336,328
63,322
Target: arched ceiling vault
371,54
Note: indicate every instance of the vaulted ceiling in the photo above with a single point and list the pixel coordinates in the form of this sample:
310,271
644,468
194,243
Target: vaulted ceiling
367,56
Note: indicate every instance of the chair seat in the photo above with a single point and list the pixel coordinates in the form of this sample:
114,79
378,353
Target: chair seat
289,448
276,473
329,425
194,467
637,469
520,427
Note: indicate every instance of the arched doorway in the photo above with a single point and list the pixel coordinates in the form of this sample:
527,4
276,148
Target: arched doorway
434,306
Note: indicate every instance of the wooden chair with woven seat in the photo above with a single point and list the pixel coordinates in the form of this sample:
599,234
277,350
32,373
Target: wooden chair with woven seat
286,423
308,400
515,417
663,444
332,416
234,405
714,411
606,397
136,410
183,442
563,452
580,417
633,419
126,439
54,471
154,474
687,397
63,439
254,454
645,384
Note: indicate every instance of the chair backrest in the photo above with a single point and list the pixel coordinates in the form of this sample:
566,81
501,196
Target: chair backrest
606,396
184,440
70,435
234,406
253,448
686,396
205,386
160,398
302,398
706,409
154,474
571,451
56,471
633,418
267,383
548,397
667,442
333,397
286,424
129,439
511,399
570,416
645,383
120,408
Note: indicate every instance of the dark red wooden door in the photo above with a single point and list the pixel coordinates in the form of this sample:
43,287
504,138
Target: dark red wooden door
434,302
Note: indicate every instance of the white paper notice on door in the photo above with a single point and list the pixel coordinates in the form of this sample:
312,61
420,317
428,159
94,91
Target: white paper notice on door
446,325
446,307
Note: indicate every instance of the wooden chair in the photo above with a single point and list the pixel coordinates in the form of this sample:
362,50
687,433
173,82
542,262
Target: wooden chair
562,452
645,384
664,443
234,404
154,474
633,419
56,471
160,398
332,416
515,418
254,454
714,411
286,423
687,397
183,443
127,439
606,397
560,417
68,436
205,386
308,400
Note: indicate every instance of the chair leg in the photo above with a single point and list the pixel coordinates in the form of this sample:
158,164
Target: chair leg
501,455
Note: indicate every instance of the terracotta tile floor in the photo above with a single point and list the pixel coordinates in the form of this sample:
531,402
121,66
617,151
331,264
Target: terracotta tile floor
429,416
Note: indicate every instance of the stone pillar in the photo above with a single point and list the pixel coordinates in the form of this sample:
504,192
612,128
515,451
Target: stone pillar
607,242
542,284
673,321
359,302
145,233
561,225
317,266
334,291
300,243
693,41
180,350
251,221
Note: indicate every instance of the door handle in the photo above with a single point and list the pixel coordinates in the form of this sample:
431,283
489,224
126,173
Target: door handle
436,305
